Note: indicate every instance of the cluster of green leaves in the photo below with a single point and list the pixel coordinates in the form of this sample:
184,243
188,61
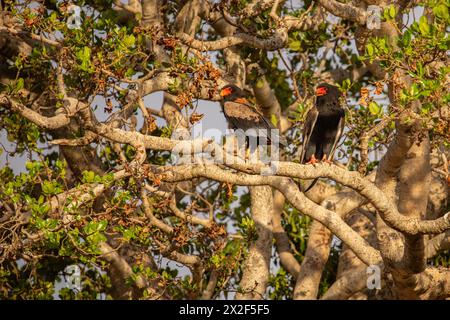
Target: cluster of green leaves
54,243
307,42
23,134
280,285
420,51
419,45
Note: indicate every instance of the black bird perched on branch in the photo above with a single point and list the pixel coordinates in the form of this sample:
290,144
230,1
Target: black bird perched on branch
242,114
323,127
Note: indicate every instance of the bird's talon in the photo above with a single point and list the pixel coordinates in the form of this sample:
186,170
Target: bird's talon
325,159
312,161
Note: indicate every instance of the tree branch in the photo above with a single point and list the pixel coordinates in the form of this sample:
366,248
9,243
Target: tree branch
256,267
345,11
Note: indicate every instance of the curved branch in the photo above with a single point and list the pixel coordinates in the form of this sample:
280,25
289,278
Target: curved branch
59,120
289,189
376,197
345,11
276,41
348,284
189,218
438,243
318,247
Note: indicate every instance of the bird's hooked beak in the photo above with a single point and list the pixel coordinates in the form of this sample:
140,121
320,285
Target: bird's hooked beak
321,91
225,92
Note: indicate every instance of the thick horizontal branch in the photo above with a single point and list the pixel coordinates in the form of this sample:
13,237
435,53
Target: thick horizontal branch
289,189
277,41
376,197
88,137
59,120
385,207
345,11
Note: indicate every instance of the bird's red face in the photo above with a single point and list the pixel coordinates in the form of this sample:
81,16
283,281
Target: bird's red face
321,91
232,93
226,91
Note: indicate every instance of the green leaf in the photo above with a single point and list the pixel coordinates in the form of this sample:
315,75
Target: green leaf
420,69
129,234
96,238
346,84
374,108
392,11
426,108
441,11
29,165
108,178
389,13
174,84
19,84
130,72
51,223
88,176
129,41
406,39
260,83
84,57
295,45
48,187
424,27
274,120
370,49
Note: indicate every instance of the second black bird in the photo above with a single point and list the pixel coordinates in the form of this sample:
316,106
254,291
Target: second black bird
323,127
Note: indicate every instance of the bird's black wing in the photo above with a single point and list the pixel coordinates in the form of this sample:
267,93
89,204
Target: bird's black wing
246,116
308,127
339,132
